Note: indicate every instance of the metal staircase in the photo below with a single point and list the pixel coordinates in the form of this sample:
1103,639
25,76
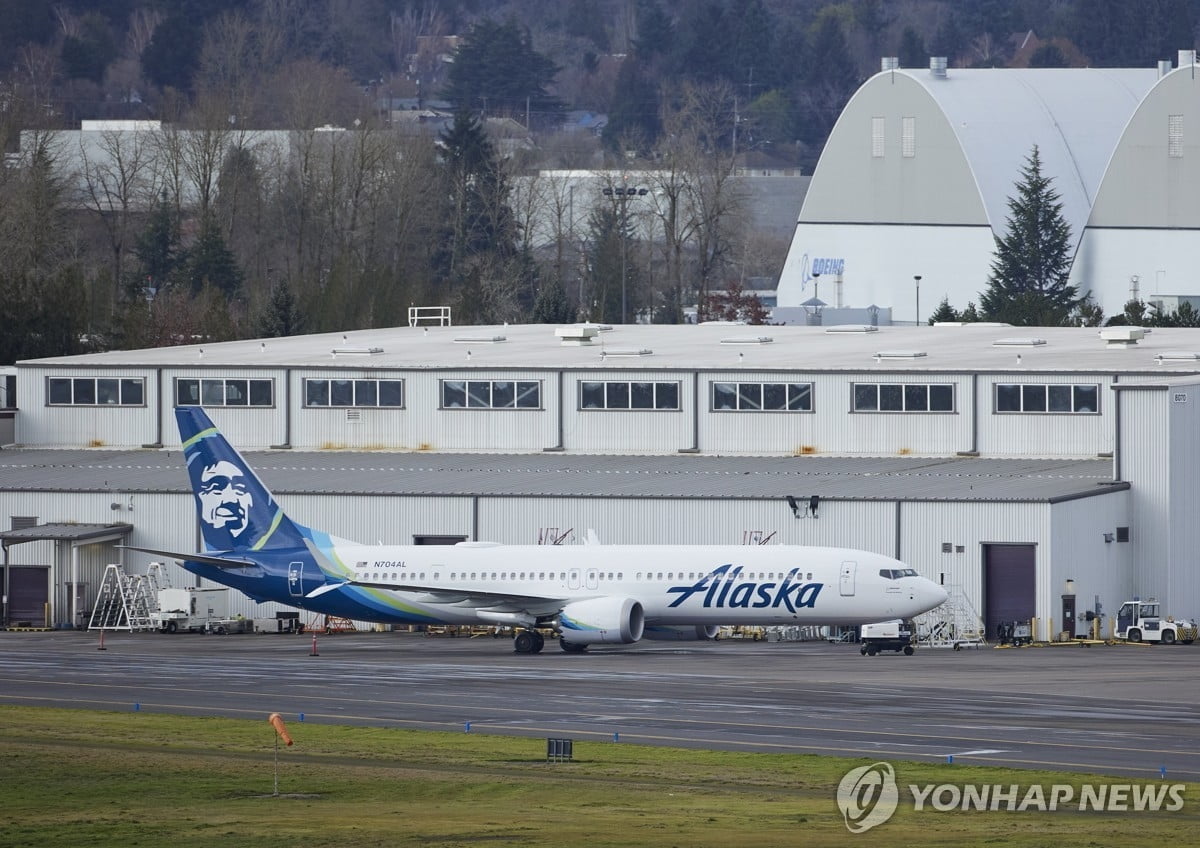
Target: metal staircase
124,601
955,624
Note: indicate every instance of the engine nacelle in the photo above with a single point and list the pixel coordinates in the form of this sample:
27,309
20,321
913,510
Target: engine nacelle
672,633
602,621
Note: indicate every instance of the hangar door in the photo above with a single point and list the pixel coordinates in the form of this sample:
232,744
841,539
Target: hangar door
28,593
1009,584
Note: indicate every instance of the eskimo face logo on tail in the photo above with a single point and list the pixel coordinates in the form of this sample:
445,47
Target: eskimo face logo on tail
225,499
723,589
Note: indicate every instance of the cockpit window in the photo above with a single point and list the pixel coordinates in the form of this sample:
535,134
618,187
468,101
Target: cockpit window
897,573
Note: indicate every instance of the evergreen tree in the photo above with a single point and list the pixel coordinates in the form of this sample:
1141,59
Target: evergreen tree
552,306
912,49
970,315
211,263
655,33
1089,313
944,312
157,249
281,315
496,69
610,273
481,220
1135,314
634,112
1028,283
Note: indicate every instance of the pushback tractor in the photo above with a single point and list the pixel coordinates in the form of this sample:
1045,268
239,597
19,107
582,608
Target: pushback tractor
1141,621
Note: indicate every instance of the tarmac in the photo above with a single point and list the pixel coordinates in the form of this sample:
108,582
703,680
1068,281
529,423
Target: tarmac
1114,710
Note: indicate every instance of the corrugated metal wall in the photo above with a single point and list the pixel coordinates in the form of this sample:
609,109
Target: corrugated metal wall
84,426
1044,434
614,430
1146,463
1181,592
832,427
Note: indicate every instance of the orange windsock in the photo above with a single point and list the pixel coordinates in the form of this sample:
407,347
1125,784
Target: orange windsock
277,723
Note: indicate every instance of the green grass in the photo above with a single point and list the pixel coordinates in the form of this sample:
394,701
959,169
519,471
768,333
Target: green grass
72,778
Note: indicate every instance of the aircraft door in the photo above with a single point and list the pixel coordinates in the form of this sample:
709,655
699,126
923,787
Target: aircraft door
592,581
846,583
296,579
573,578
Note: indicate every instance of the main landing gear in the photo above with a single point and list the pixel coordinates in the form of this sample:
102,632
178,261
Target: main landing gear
528,642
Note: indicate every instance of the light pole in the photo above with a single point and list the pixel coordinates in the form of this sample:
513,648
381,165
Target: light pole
624,193
917,280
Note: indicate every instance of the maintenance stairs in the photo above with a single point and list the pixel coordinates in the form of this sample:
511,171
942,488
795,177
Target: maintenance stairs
955,624
125,601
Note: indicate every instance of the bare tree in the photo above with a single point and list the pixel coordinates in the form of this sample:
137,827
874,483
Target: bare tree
119,178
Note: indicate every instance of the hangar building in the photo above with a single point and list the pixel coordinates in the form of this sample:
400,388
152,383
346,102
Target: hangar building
1000,462
917,173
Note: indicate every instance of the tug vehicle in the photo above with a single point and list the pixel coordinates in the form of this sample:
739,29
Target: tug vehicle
1141,621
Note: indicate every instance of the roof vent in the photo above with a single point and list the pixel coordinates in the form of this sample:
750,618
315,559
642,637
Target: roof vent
937,66
899,354
748,340
1187,57
1122,336
889,63
1177,356
356,351
577,335
1018,342
852,328
1164,67
480,339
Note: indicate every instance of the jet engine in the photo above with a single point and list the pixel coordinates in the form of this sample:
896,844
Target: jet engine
671,633
599,621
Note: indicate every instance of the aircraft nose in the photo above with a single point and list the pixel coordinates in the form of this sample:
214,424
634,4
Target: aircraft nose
935,595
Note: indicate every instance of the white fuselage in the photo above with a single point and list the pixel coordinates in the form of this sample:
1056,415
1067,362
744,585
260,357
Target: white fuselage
675,584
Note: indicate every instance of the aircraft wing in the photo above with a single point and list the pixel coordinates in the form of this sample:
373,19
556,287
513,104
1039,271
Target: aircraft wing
218,558
465,598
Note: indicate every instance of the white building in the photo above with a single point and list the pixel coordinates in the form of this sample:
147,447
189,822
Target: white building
917,173
1000,461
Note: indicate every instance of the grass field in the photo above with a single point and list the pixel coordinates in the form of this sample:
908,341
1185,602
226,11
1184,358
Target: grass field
77,778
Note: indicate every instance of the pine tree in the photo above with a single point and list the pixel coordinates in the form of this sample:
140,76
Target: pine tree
211,263
281,315
944,312
1028,284
552,306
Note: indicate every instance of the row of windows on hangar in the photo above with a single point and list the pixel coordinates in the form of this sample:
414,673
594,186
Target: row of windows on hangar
593,394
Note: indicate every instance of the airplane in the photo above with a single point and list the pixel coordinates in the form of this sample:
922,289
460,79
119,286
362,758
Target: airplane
587,594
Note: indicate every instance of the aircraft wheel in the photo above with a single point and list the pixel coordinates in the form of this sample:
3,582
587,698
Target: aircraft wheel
571,647
523,642
539,642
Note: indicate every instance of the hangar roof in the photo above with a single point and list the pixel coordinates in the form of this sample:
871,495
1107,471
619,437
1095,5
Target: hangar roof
1074,115
949,479
970,348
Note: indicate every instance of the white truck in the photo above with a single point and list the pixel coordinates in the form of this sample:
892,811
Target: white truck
1141,621
191,610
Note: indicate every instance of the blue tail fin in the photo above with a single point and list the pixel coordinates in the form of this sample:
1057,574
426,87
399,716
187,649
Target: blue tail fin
237,512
